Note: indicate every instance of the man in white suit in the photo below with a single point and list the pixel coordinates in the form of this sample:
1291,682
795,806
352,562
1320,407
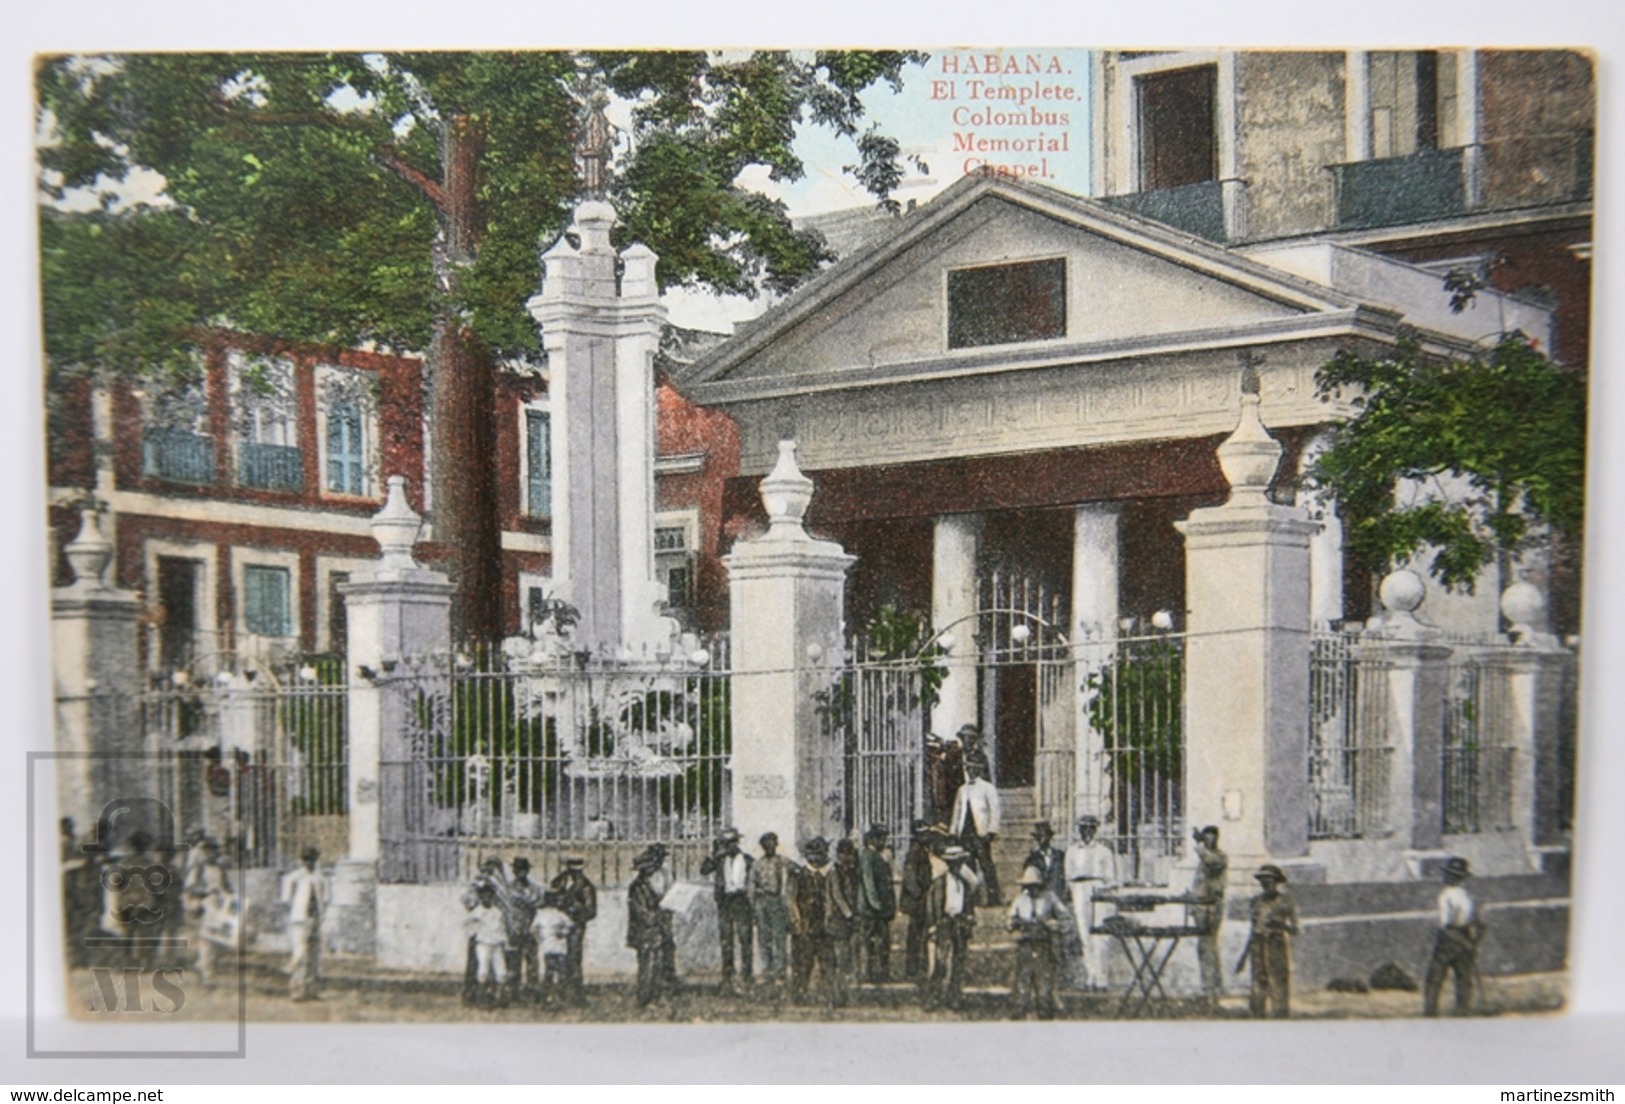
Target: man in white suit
976,823
305,893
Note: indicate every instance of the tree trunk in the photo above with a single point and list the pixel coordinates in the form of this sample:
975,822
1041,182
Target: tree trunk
464,511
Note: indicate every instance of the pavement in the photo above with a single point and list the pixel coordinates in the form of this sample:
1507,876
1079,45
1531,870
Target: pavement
354,991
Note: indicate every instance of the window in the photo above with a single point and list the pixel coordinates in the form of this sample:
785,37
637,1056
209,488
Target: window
338,617
346,450
538,463
1177,127
268,455
671,538
265,600
1413,102
999,304
174,445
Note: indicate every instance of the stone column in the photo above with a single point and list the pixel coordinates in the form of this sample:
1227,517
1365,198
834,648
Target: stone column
601,317
394,609
1096,532
1247,658
955,539
1413,665
95,644
787,592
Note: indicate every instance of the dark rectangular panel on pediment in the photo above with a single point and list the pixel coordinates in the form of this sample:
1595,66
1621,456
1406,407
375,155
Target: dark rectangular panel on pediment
1005,303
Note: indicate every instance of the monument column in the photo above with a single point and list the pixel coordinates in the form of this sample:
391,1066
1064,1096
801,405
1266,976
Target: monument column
1247,657
787,592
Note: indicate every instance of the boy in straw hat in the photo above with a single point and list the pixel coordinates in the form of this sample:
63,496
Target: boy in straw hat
1269,949
1041,924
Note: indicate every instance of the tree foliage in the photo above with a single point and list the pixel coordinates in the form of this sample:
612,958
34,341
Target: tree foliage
1473,457
401,200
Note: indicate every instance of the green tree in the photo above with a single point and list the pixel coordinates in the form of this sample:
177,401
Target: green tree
400,199
1475,457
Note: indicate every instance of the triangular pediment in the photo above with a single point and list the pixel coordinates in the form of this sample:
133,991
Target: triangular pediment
888,306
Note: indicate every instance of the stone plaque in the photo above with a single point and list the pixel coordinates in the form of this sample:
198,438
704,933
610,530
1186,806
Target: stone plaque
764,786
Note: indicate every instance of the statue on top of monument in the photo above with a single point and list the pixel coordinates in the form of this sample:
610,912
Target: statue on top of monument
595,142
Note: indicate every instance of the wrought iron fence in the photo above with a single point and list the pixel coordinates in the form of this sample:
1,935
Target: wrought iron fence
1477,762
871,765
254,756
600,758
1350,760
1134,710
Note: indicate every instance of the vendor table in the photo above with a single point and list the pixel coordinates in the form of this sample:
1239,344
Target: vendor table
1149,946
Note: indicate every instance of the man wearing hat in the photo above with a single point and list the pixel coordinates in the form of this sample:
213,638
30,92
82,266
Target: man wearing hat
1041,925
1455,946
1269,946
524,960
916,883
944,773
877,905
1091,869
1049,861
950,910
577,898
729,868
770,884
305,893
810,942
976,824
1207,888
649,927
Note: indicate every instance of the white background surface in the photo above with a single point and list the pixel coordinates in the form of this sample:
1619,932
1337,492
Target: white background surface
1586,1046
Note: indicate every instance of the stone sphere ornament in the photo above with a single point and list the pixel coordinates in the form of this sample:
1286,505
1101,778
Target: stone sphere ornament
1402,591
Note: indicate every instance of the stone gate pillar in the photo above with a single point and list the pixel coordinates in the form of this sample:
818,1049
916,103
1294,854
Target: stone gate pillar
1247,658
787,592
1411,660
1096,535
95,644
394,609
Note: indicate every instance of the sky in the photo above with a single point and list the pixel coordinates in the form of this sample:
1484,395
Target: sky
1010,110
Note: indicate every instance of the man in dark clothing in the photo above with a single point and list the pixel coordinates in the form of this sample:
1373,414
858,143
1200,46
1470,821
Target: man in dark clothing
911,899
877,905
524,963
771,881
1049,861
1269,947
729,868
841,917
950,909
810,942
649,929
578,899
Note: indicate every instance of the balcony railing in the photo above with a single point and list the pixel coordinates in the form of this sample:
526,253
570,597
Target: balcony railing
270,467
1390,191
178,455
1195,208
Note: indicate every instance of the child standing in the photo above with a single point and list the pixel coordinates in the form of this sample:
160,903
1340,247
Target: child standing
552,927
487,928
